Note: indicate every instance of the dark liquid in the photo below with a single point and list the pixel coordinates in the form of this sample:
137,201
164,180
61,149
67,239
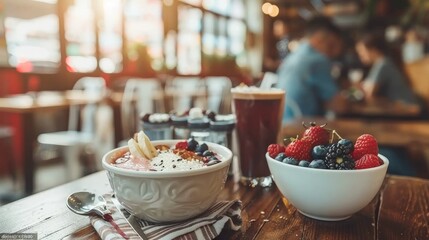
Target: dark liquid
258,123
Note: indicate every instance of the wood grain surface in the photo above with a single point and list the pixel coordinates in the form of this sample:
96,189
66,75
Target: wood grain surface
399,211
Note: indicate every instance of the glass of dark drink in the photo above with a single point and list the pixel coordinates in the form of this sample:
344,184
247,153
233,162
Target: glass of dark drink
259,116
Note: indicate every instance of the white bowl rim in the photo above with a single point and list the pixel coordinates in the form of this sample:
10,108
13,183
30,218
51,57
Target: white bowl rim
227,158
385,165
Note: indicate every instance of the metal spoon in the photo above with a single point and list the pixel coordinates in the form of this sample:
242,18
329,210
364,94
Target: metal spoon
86,203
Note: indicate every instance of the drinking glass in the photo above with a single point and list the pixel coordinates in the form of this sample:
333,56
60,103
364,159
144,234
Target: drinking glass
259,116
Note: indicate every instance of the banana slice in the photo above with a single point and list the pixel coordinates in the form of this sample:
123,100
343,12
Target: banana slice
150,146
142,144
135,149
146,146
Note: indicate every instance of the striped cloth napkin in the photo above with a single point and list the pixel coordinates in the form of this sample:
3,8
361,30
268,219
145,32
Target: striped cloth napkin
208,225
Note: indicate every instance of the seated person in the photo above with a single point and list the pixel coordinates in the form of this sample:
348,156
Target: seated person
305,74
385,78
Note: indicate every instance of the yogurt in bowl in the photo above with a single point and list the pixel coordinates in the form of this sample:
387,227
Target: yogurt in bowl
168,194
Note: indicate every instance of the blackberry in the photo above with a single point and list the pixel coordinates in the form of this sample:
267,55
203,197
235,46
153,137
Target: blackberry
338,157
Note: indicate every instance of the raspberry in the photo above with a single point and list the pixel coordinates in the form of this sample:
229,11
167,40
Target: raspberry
274,150
318,135
299,149
367,161
365,144
182,145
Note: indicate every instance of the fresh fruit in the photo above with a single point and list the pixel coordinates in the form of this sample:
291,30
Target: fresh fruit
208,153
146,146
318,163
319,152
274,150
135,149
299,149
303,163
182,145
368,161
325,149
318,135
280,156
290,161
347,145
142,147
365,144
192,144
202,148
338,157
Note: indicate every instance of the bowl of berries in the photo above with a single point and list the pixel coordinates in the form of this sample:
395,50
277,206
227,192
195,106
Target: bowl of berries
325,176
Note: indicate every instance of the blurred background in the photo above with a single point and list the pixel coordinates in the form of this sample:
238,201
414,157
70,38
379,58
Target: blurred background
48,46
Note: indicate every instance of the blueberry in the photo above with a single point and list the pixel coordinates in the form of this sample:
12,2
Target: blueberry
208,153
280,157
319,152
346,145
303,163
201,148
291,161
318,163
192,144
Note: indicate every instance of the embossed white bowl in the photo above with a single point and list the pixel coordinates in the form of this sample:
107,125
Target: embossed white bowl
168,196
328,195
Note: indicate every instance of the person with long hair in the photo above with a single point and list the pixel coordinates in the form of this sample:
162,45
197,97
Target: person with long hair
386,78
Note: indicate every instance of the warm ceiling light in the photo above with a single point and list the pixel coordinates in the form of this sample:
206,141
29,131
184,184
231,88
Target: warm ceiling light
274,11
266,7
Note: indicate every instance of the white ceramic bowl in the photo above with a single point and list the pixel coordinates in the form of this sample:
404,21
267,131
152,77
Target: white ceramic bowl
329,195
167,196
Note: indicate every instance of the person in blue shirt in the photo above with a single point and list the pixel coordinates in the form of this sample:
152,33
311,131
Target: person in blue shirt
305,74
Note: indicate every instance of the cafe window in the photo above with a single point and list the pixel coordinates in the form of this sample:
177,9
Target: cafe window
80,36
189,41
209,39
32,36
110,36
237,35
144,28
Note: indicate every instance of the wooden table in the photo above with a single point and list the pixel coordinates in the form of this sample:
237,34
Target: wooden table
397,133
399,211
377,108
27,106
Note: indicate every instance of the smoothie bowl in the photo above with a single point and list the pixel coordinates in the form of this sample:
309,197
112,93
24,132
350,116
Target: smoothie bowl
179,181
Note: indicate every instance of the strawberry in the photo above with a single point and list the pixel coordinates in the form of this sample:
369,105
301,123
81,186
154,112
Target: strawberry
365,144
318,135
182,145
300,149
274,150
367,161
